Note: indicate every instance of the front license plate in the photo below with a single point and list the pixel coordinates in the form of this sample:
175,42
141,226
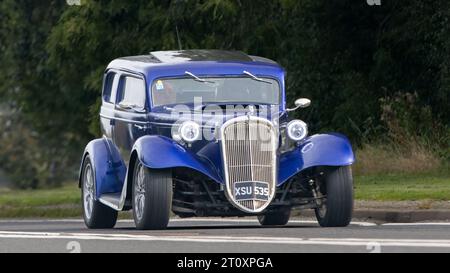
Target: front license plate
251,190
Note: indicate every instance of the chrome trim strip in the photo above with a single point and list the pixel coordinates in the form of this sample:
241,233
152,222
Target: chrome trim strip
125,120
170,124
109,204
123,195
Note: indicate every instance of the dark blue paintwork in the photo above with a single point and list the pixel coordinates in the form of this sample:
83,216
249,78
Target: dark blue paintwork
159,152
148,133
321,150
108,167
317,150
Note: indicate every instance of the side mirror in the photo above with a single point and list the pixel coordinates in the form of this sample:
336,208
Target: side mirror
300,103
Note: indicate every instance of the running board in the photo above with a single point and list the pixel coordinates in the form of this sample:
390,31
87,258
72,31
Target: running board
111,200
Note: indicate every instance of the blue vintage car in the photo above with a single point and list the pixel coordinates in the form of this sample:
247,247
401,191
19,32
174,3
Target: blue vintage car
208,133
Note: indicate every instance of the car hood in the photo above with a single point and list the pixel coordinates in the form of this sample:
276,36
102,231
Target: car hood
211,116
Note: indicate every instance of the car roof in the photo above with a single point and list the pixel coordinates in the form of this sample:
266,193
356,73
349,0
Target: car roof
197,55
172,62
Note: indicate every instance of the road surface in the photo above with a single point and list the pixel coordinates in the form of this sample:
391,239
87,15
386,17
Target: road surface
222,235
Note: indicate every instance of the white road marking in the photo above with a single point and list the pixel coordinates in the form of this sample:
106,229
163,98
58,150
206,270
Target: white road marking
205,220
230,239
225,220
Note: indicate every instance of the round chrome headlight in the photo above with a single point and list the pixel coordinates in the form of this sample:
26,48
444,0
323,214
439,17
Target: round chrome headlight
189,131
297,130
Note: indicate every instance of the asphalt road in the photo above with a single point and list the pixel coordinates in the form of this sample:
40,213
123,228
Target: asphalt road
222,235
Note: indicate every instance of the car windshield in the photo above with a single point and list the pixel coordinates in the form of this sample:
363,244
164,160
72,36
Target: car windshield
221,90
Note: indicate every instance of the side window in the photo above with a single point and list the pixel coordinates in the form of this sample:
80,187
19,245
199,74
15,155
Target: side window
132,92
107,88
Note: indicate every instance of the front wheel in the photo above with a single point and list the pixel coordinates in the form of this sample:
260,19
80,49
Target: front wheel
337,208
95,214
152,197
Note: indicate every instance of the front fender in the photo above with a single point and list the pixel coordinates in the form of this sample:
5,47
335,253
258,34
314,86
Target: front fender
318,150
159,152
109,169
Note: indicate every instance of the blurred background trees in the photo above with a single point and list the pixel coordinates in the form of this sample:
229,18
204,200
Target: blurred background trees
378,74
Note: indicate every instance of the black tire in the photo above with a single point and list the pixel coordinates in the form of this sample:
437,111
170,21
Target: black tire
278,217
100,215
152,212
337,210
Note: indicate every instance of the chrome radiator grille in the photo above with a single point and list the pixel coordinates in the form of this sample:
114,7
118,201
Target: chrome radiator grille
249,155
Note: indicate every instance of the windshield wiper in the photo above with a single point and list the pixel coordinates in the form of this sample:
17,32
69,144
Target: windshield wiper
197,78
256,78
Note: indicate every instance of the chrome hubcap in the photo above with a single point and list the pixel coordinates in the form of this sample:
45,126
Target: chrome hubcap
88,191
139,193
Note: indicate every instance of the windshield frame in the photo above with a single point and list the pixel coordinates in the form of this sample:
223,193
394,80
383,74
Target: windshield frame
206,77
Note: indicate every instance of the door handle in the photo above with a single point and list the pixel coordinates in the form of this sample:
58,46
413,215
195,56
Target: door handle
141,127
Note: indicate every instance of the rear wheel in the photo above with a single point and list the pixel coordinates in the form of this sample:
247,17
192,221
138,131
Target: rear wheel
279,217
152,197
337,208
95,214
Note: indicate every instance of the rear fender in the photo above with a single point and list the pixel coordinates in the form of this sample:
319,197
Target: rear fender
109,168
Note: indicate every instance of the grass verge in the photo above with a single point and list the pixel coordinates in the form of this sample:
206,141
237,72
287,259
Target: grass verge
42,203
403,187
65,202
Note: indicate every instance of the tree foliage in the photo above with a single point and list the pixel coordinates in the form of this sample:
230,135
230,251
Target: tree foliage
344,55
